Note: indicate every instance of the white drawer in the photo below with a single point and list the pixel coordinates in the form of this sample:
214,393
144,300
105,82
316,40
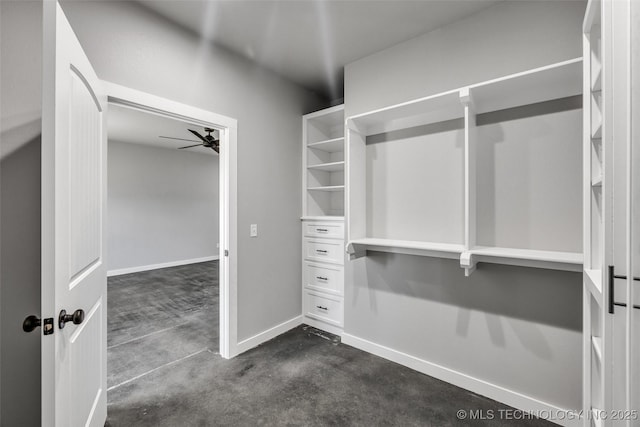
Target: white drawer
324,250
324,229
324,277
326,308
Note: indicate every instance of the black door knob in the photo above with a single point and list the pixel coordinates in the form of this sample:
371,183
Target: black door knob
77,317
31,323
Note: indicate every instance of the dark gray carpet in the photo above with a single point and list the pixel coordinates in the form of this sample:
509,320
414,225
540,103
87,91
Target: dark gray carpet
301,378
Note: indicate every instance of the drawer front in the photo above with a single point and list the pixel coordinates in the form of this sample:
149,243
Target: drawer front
323,307
324,229
324,250
324,277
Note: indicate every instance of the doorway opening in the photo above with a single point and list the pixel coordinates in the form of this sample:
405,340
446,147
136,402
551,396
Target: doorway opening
219,315
162,234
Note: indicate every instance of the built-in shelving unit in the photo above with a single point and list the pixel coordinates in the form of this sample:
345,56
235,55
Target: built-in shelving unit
596,157
466,174
323,192
323,163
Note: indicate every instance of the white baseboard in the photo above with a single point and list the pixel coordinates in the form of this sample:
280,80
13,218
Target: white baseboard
129,270
475,385
258,339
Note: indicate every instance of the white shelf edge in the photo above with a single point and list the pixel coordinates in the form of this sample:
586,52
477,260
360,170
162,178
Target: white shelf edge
323,218
596,343
407,247
328,167
327,188
403,104
593,281
458,91
597,181
554,260
327,142
526,73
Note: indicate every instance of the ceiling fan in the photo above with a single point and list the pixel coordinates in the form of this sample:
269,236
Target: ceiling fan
208,141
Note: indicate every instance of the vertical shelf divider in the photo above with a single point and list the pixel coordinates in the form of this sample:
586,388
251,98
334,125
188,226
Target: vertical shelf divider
467,260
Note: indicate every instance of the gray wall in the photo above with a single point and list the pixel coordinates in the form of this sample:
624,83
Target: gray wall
20,111
162,205
519,328
131,46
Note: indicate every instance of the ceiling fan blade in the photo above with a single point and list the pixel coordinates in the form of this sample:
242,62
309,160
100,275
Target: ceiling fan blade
190,146
202,138
179,139
216,148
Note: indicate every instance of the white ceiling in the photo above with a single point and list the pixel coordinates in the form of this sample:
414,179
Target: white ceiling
310,41
137,127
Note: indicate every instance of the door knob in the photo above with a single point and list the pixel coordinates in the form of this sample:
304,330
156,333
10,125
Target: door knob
77,317
31,323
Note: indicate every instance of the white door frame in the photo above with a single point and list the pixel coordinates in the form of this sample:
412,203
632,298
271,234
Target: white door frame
228,128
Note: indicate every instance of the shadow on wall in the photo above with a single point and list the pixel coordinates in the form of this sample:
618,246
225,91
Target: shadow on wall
20,284
537,295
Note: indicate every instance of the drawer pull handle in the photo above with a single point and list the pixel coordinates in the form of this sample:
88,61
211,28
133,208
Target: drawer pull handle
321,278
322,230
321,251
322,308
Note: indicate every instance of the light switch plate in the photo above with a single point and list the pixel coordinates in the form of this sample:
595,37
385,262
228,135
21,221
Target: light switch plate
254,230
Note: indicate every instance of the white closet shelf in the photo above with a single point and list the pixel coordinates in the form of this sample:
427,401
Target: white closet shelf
327,188
330,145
596,343
328,167
540,84
409,247
323,218
554,260
593,281
431,109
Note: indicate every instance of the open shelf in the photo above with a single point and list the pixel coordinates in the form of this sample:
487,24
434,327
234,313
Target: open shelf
554,260
409,247
423,111
530,87
328,167
329,188
330,145
323,218
434,176
323,164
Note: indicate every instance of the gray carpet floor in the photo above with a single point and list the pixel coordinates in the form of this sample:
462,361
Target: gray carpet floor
164,369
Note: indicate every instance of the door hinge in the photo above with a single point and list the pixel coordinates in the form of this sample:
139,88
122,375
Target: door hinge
226,252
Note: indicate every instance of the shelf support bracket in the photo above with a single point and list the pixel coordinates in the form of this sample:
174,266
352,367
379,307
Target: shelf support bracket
355,251
468,262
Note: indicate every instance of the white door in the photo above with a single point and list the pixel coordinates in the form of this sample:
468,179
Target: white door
74,377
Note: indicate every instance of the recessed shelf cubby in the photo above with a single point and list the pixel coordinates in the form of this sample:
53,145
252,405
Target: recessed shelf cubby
323,163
